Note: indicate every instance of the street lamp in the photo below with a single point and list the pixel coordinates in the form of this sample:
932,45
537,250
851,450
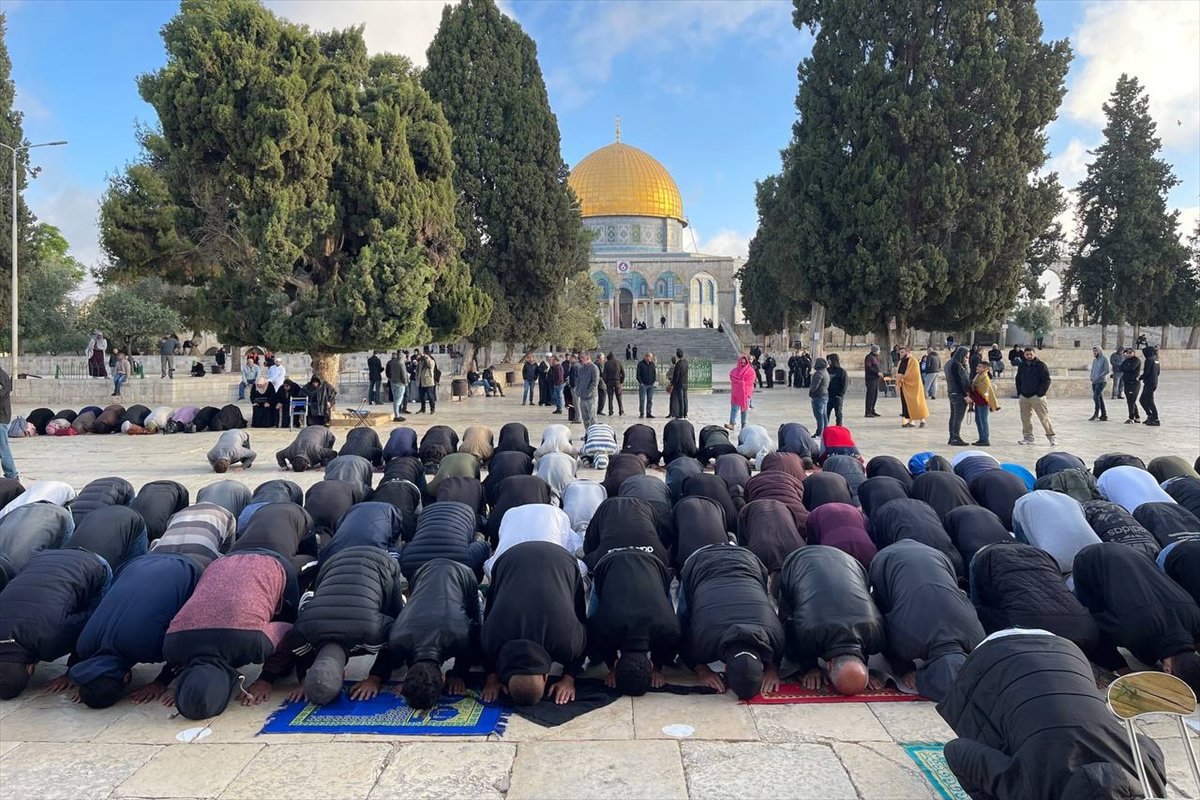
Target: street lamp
14,151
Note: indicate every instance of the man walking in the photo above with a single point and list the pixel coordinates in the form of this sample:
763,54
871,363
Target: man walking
932,366
871,374
166,352
397,375
587,382
646,377
374,378
529,377
679,382
1033,381
958,386
1099,377
6,459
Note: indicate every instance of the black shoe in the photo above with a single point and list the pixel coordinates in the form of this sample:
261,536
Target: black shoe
1093,417
957,443
649,416
981,443
1153,422
556,411
1103,419
398,419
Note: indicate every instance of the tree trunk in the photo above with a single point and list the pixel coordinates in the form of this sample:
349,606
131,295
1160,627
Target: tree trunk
325,366
818,331
1137,333
1194,338
1103,337
508,352
1165,330
1121,335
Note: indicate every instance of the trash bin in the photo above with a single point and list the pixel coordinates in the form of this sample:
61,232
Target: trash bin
780,375
1077,343
459,388
510,378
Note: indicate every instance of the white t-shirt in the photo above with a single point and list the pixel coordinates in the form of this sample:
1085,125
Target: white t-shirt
55,492
536,522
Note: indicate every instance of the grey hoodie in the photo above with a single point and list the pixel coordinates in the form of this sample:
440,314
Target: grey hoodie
958,380
1100,369
820,380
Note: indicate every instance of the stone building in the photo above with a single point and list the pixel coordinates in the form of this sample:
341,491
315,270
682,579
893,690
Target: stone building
638,256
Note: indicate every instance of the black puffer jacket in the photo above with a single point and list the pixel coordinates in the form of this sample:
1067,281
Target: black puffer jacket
642,440
351,469
1016,585
445,530
1114,524
943,491
826,607
442,617
278,491
503,465
405,497
157,502
972,528
358,595
111,533
998,491
44,608
1186,492
30,529
1110,460
101,492
1033,726
679,471
1056,462
1168,522
795,438
326,501
401,443
725,591
621,523
1077,484
679,439
363,442
915,520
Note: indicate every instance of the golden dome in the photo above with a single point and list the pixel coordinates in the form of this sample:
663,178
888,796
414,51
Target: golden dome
623,181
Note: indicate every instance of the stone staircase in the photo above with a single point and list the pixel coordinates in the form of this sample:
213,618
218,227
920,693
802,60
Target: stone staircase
698,343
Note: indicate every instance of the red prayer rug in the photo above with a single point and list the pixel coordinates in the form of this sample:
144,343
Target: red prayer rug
795,693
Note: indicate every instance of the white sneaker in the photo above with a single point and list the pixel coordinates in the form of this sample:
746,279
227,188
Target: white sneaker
1025,441
1052,441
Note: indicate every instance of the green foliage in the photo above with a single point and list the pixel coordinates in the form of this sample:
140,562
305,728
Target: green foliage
577,326
1035,318
909,171
522,227
303,189
49,315
770,291
1181,303
132,317
1127,259
12,134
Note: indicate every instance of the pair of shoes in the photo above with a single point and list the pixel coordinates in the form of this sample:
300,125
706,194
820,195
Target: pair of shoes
1132,421
873,414
922,423
957,443
398,419
981,443
641,416
1025,441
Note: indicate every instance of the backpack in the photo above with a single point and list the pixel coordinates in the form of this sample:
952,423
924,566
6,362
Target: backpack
16,428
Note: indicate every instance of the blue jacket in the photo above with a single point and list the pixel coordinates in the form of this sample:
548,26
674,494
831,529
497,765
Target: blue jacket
128,626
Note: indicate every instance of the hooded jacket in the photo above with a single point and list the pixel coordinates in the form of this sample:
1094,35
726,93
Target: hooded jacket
356,598
1015,585
29,530
912,519
942,491
505,464
851,469
724,604
825,487
1114,524
650,489
1135,604
442,617
536,522
314,444
782,487
536,613
826,608
1168,522
623,523
233,496
478,441
714,488
971,528
642,440
958,381
998,491
878,490
741,383
1130,486
326,501
373,524
514,436
891,467
558,471
700,522
445,530
157,501
101,492
907,579
844,527
795,438
620,467
679,439
1186,492
468,491
453,465
112,533
580,501
351,469
1109,460
401,442
437,443
45,607
1057,462
678,471
131,620
820,380
1055,523
363,442
405,497
519,490
1033,726
788,463
1078,484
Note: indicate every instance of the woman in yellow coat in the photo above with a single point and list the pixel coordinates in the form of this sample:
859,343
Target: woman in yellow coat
912,390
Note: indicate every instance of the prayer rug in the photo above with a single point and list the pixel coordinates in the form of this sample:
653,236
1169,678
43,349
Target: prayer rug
795,693
590,694
387,713
932,761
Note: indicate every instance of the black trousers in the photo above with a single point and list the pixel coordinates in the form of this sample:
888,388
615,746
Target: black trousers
958,410
1131,393
771,378
613,390
1147,402
872,395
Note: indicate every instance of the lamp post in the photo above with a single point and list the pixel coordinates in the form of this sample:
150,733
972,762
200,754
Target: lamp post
14,151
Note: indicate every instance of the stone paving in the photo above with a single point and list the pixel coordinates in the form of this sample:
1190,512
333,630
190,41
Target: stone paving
51,748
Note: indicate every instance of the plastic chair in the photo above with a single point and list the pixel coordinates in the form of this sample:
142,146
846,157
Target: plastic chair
298,408
1130,696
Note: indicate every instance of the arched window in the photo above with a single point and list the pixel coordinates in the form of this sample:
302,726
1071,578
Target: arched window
712,292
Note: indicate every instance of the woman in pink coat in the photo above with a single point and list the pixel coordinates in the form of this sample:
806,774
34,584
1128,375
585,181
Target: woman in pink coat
741,389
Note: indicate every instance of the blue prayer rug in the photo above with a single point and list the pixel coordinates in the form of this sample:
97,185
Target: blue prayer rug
932,761
388,714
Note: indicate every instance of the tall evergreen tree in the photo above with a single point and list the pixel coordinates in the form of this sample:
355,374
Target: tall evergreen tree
770,291
920,124
1128,257
524,236
304,188
12,134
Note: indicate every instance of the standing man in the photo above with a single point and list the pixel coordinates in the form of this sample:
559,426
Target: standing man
996,359
397,376
679,382
805,363
871,375
374,378
614,376
1116,359
647,375
587,383
1150,384
793,375
427,381
932,366
6,459
556,378
769,368
1033,381
634,353
958,386
600,365
166,352
1130,365
529,377
1099,376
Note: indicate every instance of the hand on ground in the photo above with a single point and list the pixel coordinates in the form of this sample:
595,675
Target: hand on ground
813,679
296,694
455,685
563,692
770,681
365,689
57,686
257,693
491,688
150,691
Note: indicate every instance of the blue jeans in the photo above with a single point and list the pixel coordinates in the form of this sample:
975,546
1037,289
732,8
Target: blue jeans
818,408
981,422
398,397
645,399
242,390
527,392
556,393
1098,388
373,388
118,382
733,412
6,459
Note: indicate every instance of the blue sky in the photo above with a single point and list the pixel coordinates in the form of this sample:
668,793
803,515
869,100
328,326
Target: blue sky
706,87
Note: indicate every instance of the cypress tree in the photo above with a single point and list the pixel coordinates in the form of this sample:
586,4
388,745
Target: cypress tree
770,296
12,134
524,236
920,124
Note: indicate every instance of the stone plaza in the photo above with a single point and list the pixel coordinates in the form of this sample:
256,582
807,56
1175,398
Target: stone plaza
51,748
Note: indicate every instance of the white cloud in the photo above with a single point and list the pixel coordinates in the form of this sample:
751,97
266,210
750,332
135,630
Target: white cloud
1187,221
1159,43
404,27
1067,218
725,242
1070,164
74,209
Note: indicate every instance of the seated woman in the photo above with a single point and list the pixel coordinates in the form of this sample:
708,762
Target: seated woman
265,403
288,391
